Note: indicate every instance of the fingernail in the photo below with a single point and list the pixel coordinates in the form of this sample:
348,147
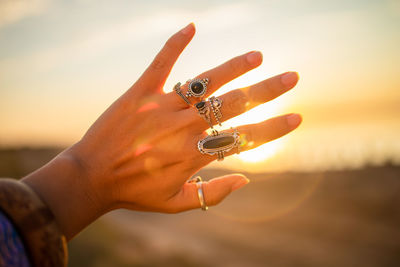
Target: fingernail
254,58
188,29
240,183
293,120
289,79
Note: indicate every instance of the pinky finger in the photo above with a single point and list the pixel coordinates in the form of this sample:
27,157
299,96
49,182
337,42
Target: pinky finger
214,191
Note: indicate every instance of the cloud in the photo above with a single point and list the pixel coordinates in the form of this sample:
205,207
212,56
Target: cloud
12,11
110,35
394,7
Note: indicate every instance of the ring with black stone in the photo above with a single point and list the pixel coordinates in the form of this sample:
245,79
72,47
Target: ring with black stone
177,89
197,87
204,111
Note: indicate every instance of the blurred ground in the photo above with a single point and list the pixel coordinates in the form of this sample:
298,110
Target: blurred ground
337,218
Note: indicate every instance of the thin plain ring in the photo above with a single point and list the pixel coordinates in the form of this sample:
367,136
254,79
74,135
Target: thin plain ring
200,193
178,91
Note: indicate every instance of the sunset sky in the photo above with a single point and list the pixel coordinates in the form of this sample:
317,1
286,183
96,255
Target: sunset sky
63,62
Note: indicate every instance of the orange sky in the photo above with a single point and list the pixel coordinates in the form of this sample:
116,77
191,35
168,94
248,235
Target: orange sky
62,63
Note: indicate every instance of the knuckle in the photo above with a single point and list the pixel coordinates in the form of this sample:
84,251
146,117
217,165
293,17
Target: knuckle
170,47
214,201
236,102
263,92
269,91
211,197
172,43
250,136
158,63
235,65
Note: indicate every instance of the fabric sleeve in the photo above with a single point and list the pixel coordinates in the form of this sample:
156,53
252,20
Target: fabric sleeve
31,227
12,249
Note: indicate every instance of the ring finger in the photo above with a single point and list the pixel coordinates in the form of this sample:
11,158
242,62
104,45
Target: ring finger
241,100
254,135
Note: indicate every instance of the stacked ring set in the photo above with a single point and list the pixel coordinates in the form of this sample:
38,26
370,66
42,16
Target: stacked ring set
217,143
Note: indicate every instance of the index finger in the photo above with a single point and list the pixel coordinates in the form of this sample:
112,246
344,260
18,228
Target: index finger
154,77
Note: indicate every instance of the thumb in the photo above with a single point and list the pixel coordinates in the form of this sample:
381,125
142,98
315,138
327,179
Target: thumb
214,192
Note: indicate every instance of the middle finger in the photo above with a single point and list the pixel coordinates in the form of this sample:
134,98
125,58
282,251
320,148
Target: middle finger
221,75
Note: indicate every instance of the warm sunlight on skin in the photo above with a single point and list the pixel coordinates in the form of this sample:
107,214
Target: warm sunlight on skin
262,153
346,53
258,114
269,149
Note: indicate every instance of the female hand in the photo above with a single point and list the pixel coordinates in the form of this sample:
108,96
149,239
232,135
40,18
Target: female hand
142,150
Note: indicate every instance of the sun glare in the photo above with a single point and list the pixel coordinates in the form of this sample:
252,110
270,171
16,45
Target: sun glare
256,115
261,153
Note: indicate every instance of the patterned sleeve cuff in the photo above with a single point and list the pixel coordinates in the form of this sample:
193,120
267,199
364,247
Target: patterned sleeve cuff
34,222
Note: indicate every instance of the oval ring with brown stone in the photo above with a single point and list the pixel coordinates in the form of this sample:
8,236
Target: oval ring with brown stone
219,143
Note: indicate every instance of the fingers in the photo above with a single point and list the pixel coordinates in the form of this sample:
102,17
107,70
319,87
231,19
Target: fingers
156,74
270,88
231,70
239,101
260,133
214,191
224,74
217,189
254,135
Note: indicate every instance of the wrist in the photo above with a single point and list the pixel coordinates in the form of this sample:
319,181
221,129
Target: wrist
65,186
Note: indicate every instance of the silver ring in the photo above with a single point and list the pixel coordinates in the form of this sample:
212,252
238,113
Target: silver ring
204,111
219,143
177,89
197,87
200,194
216,105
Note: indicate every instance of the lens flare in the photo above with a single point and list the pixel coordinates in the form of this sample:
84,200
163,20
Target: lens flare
262,152
268,198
